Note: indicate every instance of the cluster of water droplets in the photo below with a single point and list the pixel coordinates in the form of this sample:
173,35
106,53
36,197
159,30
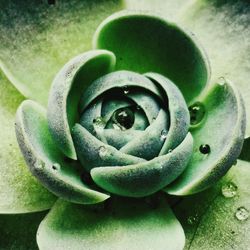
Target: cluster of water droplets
229,190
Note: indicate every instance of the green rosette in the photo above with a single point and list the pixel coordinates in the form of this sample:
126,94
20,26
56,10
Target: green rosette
133,116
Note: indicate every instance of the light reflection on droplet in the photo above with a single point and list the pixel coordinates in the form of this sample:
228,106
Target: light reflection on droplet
125,90
242,214
164,134
222,81
197,113
102,151
229,190
193,219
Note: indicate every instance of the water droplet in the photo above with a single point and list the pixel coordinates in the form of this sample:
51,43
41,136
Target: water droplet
197,113
242,214
170,150
138,107
56,166
102,151
191,220
205,149
229,190
125,90
164,134
222,81
124,118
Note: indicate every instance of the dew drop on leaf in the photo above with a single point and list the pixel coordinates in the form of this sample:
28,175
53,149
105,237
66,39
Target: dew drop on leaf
102,151
191,220
124,118
197,113
242,214
205,149
229,190
164,134
221,81
56,166
125,90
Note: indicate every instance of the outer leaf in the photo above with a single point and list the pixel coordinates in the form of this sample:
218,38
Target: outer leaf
40,38
143,42
20,192
124,224
209,218
69,84
223,129
19,231
145,178
45,160
228,44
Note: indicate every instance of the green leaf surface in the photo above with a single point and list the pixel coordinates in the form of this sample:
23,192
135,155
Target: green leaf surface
218,218
40,38
119,225
56,172
145,178
144,42
223,29
69,84
20,192
18,231
221,128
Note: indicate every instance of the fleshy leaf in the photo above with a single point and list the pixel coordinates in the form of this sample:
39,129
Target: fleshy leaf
222,213
228,44
122,224
18,231
94,153
45,160
145,178
144,42
40,38
178,112
69,84
20,192
221,130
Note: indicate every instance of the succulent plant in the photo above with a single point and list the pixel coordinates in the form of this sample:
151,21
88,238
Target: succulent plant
129,124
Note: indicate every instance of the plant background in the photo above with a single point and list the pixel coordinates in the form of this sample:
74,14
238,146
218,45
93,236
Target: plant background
38,38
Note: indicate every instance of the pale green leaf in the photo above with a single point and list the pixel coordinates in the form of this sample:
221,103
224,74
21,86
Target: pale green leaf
223,29
123,224
40,38
210,218
20,192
